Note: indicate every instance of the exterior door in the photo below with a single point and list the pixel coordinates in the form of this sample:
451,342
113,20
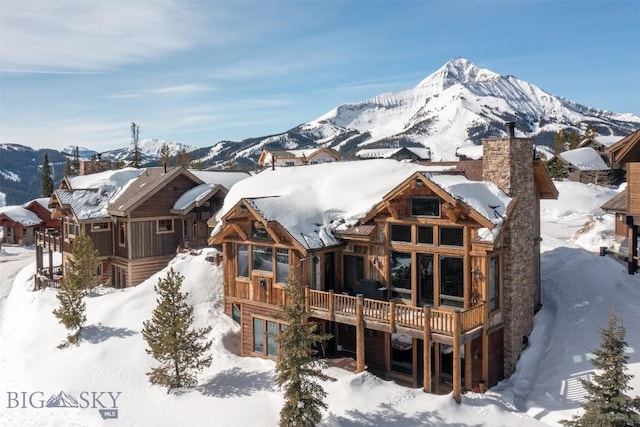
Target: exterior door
353,271
425,279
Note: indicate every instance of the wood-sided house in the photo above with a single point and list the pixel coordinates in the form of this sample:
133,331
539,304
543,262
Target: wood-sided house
584,165
137,218
626,204
308,156
418,273
20,223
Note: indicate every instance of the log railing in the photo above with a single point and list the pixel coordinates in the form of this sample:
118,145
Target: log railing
47,240
441,321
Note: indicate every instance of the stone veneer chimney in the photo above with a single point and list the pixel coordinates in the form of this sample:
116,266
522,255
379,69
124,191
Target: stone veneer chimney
87,167
508,163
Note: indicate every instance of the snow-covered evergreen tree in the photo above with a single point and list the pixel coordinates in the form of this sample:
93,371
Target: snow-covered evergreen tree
298,369
607,404
180,349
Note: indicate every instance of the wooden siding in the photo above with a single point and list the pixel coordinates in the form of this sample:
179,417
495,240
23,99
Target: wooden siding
376,348
102,239
161,202
147,242
633,188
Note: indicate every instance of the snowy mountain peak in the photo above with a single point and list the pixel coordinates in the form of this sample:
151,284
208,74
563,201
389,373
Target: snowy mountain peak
457,71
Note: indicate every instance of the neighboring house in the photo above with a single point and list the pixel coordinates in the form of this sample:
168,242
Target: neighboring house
309,156
469,152
412,154
20,223
626,152
602,144
420,274
137,218
617,205
584,165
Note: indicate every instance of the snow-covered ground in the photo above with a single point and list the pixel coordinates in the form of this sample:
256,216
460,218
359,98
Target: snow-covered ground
579,290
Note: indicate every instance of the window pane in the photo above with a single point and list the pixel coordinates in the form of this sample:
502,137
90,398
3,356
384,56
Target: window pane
425,278
401,274
272,345
402,354
425,206
263,258
451,236
425,235
451,281
258,335
243,260
235,313
282,266
258,231
494,283
400,233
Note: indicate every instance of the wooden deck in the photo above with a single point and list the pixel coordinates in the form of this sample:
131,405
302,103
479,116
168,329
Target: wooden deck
391,317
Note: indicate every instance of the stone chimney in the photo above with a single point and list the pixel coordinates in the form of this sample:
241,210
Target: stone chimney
508,163
87,167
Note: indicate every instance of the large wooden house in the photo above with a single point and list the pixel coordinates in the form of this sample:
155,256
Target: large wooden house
417,272
137,218
309,156
626,204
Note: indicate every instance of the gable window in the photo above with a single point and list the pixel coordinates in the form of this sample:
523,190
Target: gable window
258,231
400,233
451,281
100,226
451,236
243,260
401,275
425,206
494,283
165,225
282,265
262,258
425,235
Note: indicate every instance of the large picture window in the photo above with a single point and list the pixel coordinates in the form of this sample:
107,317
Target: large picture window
243,260
425,206
282,265
494,283
401,274
262,258
452,281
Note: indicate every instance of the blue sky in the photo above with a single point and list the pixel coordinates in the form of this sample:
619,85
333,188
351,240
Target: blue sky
75,72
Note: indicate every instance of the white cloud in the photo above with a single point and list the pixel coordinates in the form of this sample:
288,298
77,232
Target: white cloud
88,35
183,89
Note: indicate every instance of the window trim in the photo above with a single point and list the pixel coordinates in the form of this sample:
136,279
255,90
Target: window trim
265,336
409,226
122,234
95,229
166,230
446,227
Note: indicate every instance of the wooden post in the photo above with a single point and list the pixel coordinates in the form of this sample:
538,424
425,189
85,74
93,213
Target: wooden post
332,314
50,265
457,380
426,340
359,334
485,345
306,299
392,317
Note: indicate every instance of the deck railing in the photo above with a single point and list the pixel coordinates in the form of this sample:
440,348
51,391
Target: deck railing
48,240
441,321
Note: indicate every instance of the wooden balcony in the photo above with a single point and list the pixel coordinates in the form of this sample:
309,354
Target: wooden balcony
49,241
443,324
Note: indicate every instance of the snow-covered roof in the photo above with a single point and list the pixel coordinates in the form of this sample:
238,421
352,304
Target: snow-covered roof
89,195
473,152
224,178
193,196
606,140
43,201
585,159
387,153
20,215
312,202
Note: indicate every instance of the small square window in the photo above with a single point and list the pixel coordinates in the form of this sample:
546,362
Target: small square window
165,225
400,233
450,236
425,235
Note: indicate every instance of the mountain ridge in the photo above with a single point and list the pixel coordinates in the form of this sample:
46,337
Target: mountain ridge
457,105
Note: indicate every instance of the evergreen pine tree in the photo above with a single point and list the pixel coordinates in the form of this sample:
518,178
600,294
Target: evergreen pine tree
75,165
84,264
607,404
183,159
71,312
173,342
298,369
67,167
47,177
